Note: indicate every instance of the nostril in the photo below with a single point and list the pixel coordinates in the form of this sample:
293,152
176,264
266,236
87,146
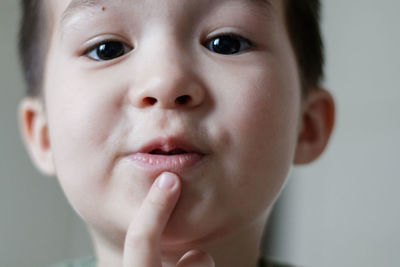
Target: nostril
149,101
182,100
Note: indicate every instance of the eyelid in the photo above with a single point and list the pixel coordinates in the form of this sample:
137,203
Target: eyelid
227,33
230,34
238,36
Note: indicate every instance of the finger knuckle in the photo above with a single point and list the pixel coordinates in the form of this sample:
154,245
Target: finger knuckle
196,258
137,240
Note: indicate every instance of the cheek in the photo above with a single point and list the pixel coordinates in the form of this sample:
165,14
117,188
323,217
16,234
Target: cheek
74,121
267,119
263,112
87,127
261,122
83,106
83,114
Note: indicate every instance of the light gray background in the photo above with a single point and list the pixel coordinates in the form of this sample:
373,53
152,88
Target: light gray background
341,211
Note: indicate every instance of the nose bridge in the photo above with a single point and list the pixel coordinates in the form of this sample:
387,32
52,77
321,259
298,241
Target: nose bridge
168,79
169,65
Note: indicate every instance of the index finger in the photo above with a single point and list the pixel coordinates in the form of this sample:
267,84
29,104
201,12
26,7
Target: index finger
142,240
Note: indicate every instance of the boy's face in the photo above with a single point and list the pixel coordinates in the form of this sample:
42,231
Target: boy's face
174,76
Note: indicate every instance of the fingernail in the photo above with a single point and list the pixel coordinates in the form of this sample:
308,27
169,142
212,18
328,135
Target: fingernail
166,181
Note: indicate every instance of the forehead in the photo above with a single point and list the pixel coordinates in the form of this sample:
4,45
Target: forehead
63,11
78,4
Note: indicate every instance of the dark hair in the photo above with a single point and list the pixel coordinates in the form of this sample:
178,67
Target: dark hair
33,44
303,26
302,19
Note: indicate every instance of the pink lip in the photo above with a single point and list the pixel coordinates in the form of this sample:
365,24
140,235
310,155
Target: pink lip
151,156
159,163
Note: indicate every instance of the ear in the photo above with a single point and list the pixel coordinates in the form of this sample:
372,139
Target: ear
316,126
34,128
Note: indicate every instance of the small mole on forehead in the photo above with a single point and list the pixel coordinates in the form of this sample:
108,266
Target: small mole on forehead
103,8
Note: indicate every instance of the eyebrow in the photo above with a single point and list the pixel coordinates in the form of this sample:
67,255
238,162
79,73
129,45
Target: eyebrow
78,5
264,4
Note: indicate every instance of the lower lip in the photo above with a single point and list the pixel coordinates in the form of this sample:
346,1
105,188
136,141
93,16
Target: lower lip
172,163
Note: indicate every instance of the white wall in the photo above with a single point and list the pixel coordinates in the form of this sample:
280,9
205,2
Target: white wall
341,211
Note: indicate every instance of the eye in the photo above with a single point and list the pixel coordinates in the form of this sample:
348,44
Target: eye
107,50
228,44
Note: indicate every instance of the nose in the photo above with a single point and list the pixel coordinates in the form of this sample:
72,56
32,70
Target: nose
168,85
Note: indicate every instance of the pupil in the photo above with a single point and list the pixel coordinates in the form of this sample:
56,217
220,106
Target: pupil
110,50
226,45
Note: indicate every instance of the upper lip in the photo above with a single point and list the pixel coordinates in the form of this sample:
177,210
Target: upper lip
170,146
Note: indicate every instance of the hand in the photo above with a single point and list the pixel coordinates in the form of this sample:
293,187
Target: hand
142,242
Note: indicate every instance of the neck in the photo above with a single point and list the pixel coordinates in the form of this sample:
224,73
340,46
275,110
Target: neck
238,248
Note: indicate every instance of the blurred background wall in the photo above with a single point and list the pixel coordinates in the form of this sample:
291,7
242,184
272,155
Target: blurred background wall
343,210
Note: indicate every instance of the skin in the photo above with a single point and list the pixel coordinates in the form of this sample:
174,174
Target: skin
245,113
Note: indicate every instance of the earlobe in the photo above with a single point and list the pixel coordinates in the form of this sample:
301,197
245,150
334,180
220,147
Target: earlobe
34,129
316,126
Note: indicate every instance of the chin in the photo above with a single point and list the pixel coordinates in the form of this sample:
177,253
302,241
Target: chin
184,231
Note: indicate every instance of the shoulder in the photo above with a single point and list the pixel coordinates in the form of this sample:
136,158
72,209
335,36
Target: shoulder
91,262
263,262
85,262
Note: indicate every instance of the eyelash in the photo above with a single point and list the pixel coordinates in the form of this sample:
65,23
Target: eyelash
229,44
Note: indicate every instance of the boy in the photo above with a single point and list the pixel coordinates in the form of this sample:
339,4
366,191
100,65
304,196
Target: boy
172,125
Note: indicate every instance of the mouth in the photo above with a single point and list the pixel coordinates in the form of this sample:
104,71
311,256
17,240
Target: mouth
168,154
173,152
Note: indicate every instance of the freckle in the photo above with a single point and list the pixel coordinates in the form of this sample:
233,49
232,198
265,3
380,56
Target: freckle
103,8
